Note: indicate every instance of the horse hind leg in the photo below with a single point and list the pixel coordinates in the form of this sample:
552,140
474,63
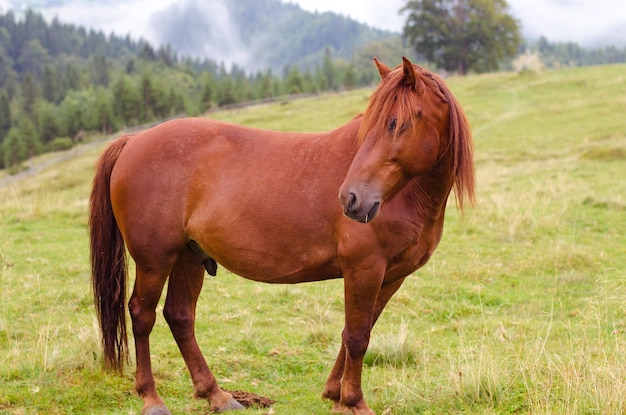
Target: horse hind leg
142,306
184,287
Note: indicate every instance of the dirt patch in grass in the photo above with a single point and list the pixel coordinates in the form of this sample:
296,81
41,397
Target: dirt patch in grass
250,400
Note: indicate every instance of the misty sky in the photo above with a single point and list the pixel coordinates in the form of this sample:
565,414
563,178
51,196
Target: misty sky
581,21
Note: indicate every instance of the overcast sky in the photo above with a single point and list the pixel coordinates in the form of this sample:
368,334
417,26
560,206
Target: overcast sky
581,21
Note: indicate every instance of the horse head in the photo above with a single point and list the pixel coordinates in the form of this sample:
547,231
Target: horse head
411,123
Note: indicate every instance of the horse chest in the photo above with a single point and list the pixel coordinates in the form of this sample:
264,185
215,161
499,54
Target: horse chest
412,244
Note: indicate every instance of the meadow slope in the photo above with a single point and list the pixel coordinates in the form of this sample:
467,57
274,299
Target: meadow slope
522,309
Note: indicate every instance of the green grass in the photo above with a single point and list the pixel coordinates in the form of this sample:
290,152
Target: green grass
522,309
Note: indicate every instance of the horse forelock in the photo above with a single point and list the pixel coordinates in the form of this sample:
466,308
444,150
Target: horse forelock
382,101
392,92
393,89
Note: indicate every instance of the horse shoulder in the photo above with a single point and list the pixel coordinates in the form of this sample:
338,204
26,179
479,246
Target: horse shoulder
411,233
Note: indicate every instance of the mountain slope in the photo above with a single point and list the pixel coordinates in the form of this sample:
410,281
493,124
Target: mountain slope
260,33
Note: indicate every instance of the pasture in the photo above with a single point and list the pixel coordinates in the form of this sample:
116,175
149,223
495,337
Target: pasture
522,308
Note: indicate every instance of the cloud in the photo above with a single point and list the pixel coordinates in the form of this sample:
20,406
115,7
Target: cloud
201,29
581,21
380,14
119,17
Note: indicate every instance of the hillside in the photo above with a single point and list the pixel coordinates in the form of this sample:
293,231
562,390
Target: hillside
520,310
258,34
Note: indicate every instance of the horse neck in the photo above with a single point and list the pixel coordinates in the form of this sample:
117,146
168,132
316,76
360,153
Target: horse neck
346,137
429,192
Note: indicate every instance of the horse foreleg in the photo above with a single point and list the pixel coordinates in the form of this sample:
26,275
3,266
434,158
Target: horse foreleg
332,389
142,306
183,290
362,285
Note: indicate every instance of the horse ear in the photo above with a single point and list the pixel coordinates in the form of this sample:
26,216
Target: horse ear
410,78
383,69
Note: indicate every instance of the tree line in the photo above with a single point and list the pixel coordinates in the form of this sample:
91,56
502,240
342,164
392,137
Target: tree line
563,54
60,83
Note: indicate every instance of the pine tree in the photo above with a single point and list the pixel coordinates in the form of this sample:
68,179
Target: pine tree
226,92
104,110
29,94
72,111
265,85
328,69
127,101
48,124
50,84
13,148
99,71
33,57
349,79
293,81
29,138
5,60
5,115
206,97
147,93
73,77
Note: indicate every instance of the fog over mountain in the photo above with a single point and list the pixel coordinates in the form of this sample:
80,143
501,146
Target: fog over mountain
201,28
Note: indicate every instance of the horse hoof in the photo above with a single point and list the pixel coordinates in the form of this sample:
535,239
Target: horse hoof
156,410
231,405
340,409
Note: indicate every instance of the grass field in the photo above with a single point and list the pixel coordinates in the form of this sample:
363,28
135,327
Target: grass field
522,309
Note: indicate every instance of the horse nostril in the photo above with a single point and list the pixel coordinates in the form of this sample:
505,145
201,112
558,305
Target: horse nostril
351,201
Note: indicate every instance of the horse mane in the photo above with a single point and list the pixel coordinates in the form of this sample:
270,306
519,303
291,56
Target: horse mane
393,89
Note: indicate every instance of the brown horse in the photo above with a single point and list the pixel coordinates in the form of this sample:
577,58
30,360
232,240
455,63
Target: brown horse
191,193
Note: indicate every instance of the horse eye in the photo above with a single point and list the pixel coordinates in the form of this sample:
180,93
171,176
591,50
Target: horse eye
392,124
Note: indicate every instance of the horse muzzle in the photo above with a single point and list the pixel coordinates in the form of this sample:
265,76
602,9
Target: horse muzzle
361,209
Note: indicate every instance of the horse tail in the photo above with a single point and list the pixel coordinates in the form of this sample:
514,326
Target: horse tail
108,262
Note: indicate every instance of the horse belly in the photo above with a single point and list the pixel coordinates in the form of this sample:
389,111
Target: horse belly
267,224
271,262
